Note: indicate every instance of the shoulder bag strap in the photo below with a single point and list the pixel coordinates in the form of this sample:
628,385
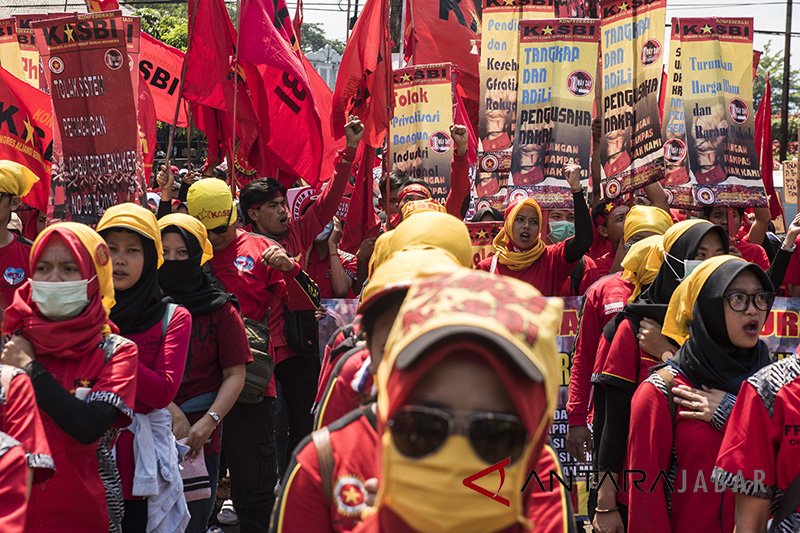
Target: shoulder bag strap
669,381
167,318
322,443
789,502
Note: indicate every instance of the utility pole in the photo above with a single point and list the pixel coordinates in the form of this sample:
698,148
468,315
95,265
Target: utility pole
787,47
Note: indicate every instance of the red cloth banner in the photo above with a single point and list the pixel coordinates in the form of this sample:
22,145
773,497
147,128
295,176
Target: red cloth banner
88,74
160,66
763,140
26,133
362,222
362,84
146,117
96,6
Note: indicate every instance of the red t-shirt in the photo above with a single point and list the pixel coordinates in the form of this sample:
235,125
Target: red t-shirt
605,262
603,301
753,253
342,341
20,419
547,273
459,185
158,376
589,276
600,245
348,387
760,454
319,269
684,450
792,276
14,264
74,500
13,485
625,365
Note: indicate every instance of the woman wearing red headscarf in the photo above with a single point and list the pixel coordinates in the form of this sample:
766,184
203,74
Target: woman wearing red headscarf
519,248
83,374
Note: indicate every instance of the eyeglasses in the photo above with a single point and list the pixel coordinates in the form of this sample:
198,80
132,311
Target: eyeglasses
740,301
419,431
220,230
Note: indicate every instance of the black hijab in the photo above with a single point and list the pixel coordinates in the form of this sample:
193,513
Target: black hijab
187,283
143,305
654,300
708,358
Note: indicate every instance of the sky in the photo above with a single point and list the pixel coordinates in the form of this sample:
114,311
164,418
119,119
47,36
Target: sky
768,15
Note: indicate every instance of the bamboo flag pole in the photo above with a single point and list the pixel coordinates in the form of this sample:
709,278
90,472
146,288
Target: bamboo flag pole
387,153
235,95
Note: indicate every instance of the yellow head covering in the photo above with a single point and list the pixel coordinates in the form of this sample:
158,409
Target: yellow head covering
97,249
135,218
16,179
193,226
210,202
518,260
656,257
401,269
420,206
427,229
679,313
643,218
635,265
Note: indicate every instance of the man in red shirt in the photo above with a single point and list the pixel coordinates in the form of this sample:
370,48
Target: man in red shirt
749,247
13,480
260,287
15,182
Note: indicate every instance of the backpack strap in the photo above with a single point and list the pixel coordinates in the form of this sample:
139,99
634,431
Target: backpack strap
167,318
789,502
576,276
669,381
322,443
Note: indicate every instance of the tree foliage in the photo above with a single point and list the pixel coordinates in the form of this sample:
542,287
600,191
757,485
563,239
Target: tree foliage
313,38
772,63
167,23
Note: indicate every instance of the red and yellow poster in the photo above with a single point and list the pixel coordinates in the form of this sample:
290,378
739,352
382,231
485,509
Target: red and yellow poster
419,134
676,162
717,68
499,63
28,51
10,58
632,53
89,77
556,83
482,235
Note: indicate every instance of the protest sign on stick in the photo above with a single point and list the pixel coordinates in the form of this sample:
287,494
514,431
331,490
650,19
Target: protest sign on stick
790,172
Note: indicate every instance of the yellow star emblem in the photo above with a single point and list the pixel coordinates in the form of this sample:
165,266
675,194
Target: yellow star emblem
68,31
509,2
85,382
406,77
548,30
706,29
29,131
351,495
482,234
623,6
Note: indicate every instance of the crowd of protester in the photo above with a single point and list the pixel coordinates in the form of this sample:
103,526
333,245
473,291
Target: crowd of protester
176,345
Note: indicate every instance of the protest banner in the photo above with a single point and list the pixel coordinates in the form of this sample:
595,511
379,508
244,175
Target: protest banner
419,132
631,148
790,174
718,111
29,54
10,58
160,66
576,8
498,98
555,96
94,107
482,235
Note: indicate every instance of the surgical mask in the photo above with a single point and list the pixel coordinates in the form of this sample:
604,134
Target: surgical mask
561,230
688,266
60,300
325,233
429,493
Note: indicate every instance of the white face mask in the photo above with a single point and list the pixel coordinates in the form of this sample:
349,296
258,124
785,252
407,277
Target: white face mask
60,300
325,233
688,266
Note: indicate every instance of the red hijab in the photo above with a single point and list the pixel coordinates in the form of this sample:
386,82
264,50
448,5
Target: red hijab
71,338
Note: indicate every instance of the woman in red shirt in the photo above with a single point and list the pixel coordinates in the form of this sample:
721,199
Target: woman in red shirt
143,316
716,315
219,349
520,251
83,374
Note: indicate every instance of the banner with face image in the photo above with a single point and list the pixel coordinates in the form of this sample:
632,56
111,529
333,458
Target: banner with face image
557,76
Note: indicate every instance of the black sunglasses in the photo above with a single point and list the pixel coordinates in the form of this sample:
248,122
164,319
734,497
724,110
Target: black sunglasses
419,431
220,230
740,301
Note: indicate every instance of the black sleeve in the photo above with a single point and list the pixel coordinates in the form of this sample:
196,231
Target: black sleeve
614,441
85,422
164,209
577,246
183,192
778,267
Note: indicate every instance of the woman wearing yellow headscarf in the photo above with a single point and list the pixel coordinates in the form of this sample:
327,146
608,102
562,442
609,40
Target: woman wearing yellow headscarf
218,344
83,374
160,330
519,248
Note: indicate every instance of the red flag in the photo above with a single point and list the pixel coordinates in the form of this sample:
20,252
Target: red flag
146,114
362,85
445,31
297,22
212,77
96,6
362,222
323,98
160,66
26,133
294,131
462,117
662,95
763,134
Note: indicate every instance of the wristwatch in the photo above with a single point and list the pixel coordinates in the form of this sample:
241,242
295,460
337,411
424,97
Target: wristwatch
215,416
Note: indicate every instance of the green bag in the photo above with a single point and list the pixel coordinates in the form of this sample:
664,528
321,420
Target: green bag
259,371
